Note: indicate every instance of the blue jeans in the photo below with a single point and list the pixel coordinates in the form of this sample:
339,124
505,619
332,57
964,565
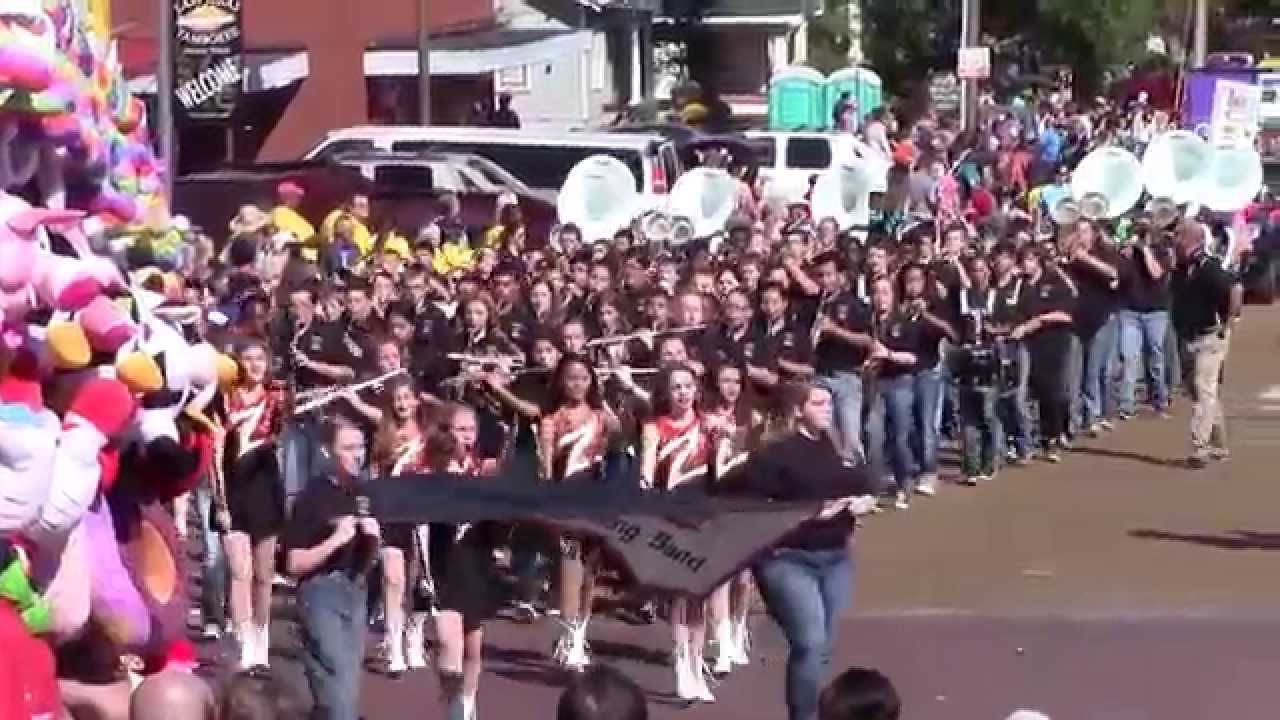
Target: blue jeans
983,436
1097,353
930,390
805,591
1012,407
1142,335
213,564
333,614
898,398
846,397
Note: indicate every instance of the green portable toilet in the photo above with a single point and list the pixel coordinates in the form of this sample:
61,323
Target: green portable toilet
861,83
797,99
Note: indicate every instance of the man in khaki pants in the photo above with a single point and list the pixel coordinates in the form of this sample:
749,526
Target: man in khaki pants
1206,299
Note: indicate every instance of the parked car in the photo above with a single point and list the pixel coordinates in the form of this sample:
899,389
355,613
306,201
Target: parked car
789,159
541,159
211,199
459,172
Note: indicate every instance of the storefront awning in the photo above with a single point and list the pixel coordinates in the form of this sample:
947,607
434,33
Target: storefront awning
478,53
263,71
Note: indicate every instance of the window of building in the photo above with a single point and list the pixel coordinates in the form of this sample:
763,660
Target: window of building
808,153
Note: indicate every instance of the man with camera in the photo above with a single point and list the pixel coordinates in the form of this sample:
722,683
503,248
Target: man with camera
331,545
1206,300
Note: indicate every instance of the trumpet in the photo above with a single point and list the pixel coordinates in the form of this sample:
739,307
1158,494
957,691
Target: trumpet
309,400
645,335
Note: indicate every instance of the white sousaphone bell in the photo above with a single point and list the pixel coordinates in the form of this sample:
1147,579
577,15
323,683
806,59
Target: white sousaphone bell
1106,184
702,199
843,193
599,195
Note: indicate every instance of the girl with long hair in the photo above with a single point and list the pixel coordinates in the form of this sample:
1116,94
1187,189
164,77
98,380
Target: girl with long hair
738,426
924,309
573,439
400,448
255,499
462,556
676,450
805,579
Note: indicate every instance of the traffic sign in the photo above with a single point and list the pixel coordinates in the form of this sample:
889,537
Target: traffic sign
974,63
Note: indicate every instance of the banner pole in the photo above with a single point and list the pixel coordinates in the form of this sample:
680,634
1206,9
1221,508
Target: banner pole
164,95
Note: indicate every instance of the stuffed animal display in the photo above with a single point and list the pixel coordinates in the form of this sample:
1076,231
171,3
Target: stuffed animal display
102,397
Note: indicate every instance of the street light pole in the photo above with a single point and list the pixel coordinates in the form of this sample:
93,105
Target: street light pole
424,64
164,95
1200,47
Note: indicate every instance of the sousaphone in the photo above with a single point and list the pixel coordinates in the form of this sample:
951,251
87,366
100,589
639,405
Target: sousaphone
1176,167
703,198
599,196
843,193
1107,183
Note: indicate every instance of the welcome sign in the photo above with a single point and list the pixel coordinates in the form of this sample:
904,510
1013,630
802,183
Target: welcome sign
208,57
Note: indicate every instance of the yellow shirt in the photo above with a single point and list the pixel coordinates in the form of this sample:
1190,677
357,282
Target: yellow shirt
360,234
452,257
287,219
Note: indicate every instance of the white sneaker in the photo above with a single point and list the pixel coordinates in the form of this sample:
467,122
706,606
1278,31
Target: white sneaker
927,485
578,659
686,682
211,631
900,502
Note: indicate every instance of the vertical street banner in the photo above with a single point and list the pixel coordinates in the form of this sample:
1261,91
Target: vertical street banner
208,58
1237,110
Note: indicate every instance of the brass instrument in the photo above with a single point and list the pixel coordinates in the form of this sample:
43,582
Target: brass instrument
309,400
642,335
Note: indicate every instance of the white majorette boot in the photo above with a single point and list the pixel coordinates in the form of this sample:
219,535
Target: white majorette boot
395,648
742,643
263,646
726,649
686,682
247,635
701,677
416,641
469,706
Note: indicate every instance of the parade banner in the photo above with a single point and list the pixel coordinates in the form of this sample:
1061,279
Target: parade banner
1236,114
680,542
208,57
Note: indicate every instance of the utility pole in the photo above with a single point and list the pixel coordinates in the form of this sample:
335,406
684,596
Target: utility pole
970,33
165,121
1200,38
424,64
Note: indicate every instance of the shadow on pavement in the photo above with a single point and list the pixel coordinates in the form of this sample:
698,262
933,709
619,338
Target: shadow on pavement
1236,540
1126,455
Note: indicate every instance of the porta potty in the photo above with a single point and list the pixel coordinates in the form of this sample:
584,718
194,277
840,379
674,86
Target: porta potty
862,84
797,99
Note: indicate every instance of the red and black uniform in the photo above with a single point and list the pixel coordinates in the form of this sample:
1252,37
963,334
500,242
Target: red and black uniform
579,451
685,453
255,495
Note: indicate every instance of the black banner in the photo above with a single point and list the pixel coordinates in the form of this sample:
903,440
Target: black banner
208,58
681,542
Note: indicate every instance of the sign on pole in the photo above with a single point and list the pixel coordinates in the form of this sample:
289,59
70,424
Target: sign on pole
208,57
1237,112
974,63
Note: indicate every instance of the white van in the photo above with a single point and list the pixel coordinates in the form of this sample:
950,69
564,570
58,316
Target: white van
539,158
789,159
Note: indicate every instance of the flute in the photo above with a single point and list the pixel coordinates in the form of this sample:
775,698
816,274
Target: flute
642,335
507,362
324,396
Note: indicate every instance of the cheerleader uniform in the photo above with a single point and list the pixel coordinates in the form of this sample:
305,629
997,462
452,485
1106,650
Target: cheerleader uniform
255,495
579,452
